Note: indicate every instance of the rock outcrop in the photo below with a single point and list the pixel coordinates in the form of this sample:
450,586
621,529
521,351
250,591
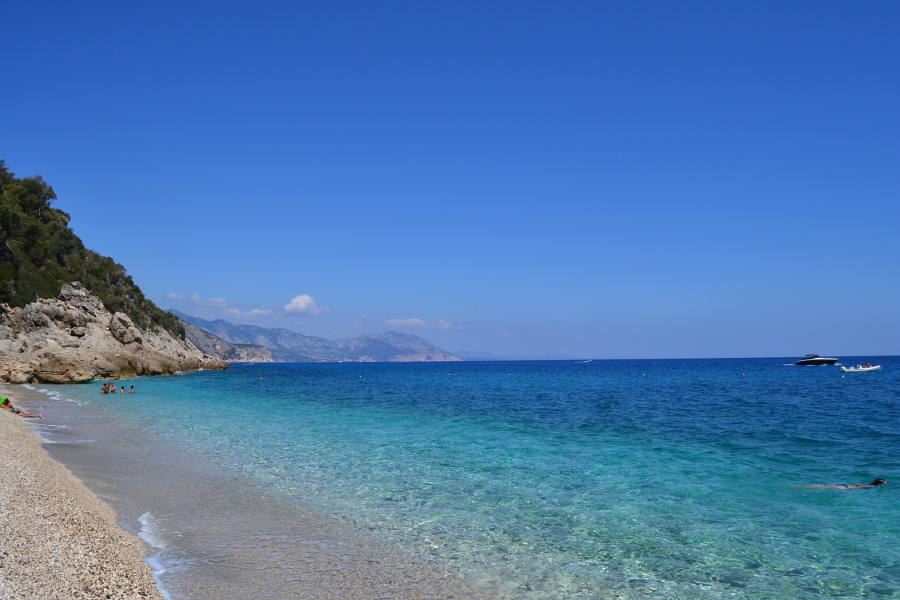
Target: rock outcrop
74,338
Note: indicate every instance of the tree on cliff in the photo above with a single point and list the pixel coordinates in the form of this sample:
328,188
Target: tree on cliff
39,253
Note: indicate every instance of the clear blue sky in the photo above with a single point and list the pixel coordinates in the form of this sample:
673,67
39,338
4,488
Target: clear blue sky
589,179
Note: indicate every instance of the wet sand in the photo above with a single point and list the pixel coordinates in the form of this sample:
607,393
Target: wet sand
58,540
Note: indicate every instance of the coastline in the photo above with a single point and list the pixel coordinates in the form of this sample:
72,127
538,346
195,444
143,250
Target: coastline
224,528
210,534
58,539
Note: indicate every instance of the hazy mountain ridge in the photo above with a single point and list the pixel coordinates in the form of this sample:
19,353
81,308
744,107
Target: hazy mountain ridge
290,346
381,346
215,346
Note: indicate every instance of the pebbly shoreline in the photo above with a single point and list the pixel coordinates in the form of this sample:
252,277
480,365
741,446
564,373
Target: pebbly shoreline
57,539
60,540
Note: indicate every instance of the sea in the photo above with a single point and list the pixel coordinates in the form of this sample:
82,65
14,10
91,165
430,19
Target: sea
533,480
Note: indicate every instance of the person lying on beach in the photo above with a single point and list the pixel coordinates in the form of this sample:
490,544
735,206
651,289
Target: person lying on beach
844,486
7,405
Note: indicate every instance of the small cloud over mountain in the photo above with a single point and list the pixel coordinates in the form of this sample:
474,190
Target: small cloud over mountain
196,300
406,323
218,307
414,322
304,304
256,312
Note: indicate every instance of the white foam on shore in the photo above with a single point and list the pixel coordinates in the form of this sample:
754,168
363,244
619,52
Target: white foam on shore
150,533
41,430
40,427
54,394
46,441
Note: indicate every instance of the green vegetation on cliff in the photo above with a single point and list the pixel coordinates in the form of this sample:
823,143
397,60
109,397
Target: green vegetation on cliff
39,253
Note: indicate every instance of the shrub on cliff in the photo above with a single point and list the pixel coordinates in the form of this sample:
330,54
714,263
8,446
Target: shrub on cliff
39,253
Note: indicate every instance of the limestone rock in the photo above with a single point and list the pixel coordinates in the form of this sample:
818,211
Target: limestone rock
121,328
73,338
14,372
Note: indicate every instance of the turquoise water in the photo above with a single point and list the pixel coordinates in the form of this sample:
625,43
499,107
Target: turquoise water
552,480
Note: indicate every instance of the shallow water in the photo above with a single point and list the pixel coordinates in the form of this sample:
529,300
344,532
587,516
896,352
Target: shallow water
538,480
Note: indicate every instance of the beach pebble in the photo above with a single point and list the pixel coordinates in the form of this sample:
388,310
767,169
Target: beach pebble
60,542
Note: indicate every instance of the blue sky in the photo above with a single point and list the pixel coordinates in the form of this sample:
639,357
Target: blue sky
585,179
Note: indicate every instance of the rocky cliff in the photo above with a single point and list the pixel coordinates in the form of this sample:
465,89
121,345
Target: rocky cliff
74,338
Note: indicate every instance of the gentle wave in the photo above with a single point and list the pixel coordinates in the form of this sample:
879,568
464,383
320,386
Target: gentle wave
150,533
543,481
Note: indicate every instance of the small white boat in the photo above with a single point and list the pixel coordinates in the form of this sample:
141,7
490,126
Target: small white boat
860,369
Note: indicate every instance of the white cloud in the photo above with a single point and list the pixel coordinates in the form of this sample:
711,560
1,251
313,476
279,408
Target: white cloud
506,332
414,322
219,302
196,300
239,314
406,323
304,304
219,306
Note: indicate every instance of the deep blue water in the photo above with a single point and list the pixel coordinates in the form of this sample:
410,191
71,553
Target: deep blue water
556,480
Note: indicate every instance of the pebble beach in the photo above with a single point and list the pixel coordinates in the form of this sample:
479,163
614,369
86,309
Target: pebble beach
57,539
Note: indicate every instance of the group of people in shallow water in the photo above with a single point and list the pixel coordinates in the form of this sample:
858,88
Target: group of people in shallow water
110,388
5,404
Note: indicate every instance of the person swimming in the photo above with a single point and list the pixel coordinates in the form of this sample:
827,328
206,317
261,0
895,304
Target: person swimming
844,486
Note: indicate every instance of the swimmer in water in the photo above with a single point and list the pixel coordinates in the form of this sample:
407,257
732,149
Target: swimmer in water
844,486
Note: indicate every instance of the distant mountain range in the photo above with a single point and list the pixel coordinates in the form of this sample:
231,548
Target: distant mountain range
249,343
